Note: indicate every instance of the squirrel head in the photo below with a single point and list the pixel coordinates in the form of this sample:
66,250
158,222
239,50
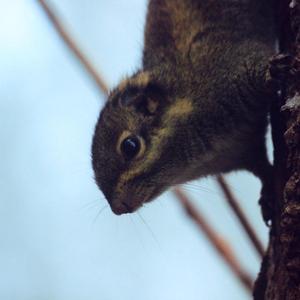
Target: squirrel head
140,145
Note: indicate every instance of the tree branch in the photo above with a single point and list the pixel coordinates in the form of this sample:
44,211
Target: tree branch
220,245
280,273
233,203
73,46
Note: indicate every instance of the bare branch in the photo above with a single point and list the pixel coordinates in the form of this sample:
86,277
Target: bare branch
222,247
233,203
73,46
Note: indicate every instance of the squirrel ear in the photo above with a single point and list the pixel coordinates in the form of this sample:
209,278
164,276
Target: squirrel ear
143,104
146,101
152,105
147,105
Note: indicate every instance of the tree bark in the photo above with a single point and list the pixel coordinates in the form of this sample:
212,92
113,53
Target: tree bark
279,278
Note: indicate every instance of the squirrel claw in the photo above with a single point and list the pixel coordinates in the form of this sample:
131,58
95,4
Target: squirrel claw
266,204
281,66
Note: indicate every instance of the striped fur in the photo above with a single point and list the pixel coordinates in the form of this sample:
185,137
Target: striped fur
199,102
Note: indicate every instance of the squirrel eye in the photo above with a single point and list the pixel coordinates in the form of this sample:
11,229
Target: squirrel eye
130,147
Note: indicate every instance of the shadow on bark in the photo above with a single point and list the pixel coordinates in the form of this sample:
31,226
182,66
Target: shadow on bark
279,278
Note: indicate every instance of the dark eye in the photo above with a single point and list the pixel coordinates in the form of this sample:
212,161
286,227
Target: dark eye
130,147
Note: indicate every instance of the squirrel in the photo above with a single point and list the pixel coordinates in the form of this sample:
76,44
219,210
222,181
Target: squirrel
197,107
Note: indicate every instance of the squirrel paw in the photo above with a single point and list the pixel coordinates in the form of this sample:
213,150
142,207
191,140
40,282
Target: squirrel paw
266,203
281,67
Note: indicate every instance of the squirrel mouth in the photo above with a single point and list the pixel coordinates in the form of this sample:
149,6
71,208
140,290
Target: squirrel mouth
128,207
124,208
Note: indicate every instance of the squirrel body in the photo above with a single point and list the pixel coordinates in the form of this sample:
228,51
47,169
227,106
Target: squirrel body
197,107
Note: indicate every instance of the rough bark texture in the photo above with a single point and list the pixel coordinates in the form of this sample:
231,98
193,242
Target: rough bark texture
279,278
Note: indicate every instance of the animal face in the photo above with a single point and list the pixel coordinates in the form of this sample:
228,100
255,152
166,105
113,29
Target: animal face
137,150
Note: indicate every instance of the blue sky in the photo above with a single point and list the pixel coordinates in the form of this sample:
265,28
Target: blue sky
54,245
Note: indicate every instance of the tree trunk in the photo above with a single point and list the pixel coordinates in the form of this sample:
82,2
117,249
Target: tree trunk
279,278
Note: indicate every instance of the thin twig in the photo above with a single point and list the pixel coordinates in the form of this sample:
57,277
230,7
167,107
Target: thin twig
233,203
222,247
73,46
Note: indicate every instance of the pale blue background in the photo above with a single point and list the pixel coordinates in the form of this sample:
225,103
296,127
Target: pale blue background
53,243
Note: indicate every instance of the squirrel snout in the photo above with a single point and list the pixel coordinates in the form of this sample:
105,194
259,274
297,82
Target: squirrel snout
122,208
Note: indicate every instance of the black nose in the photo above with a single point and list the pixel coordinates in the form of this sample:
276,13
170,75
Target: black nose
121,208
128,207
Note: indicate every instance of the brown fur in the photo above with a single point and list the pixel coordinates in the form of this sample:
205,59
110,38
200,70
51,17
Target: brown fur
199,103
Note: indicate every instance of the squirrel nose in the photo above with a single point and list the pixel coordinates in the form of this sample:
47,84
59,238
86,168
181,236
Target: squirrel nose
122,208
